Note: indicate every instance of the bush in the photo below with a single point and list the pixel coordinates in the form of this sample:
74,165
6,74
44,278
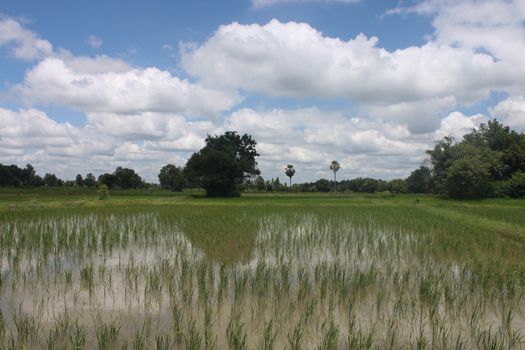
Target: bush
513,187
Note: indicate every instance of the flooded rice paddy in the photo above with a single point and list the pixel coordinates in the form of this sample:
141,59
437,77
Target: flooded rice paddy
238,280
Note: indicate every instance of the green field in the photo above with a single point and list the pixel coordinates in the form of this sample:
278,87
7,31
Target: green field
156,269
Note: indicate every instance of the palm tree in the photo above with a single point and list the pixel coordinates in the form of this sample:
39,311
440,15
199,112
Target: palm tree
289,171
334,166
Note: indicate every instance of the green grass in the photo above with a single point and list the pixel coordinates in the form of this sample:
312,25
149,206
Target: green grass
147,269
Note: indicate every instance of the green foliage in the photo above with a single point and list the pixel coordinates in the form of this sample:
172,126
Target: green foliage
367,185
51,180
260,185
479,166
108,180
224,163
79,181
127,178
322,185
12,175
397,186
513,187
469,174
276,185
90,180
420,180
124,178
171,177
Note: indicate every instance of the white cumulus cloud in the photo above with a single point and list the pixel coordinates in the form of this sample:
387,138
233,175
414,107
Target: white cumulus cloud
457,124
93,85
295,60
22,43
511,111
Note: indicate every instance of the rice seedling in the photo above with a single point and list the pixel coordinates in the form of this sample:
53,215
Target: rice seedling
330,336
77,336
106,333
268,337
236,334
162,342
295,337
193,338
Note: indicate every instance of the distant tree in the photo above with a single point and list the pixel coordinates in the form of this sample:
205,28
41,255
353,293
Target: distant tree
28,175
367,185
276,184
334,166
224,163
79,181
441,157
127,178
51,180
10,175
38,181
323,185
90,180
290,172
260,185
397,186
171,178
107,179
420,180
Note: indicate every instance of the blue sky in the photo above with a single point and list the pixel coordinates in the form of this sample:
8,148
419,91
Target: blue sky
370,83
138,30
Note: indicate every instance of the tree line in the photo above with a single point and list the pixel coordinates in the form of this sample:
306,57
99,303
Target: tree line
489,161
125,178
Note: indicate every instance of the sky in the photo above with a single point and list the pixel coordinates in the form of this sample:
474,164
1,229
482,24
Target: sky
87,86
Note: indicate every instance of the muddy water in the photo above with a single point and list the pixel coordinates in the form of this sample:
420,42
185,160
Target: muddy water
318,282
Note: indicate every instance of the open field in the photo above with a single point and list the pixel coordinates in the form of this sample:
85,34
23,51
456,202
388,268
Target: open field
162,270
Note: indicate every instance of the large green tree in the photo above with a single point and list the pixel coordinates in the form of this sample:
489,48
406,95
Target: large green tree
482,164
124,178
51,180
171,178
225,162
469,173
90,180
127,178
420,180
